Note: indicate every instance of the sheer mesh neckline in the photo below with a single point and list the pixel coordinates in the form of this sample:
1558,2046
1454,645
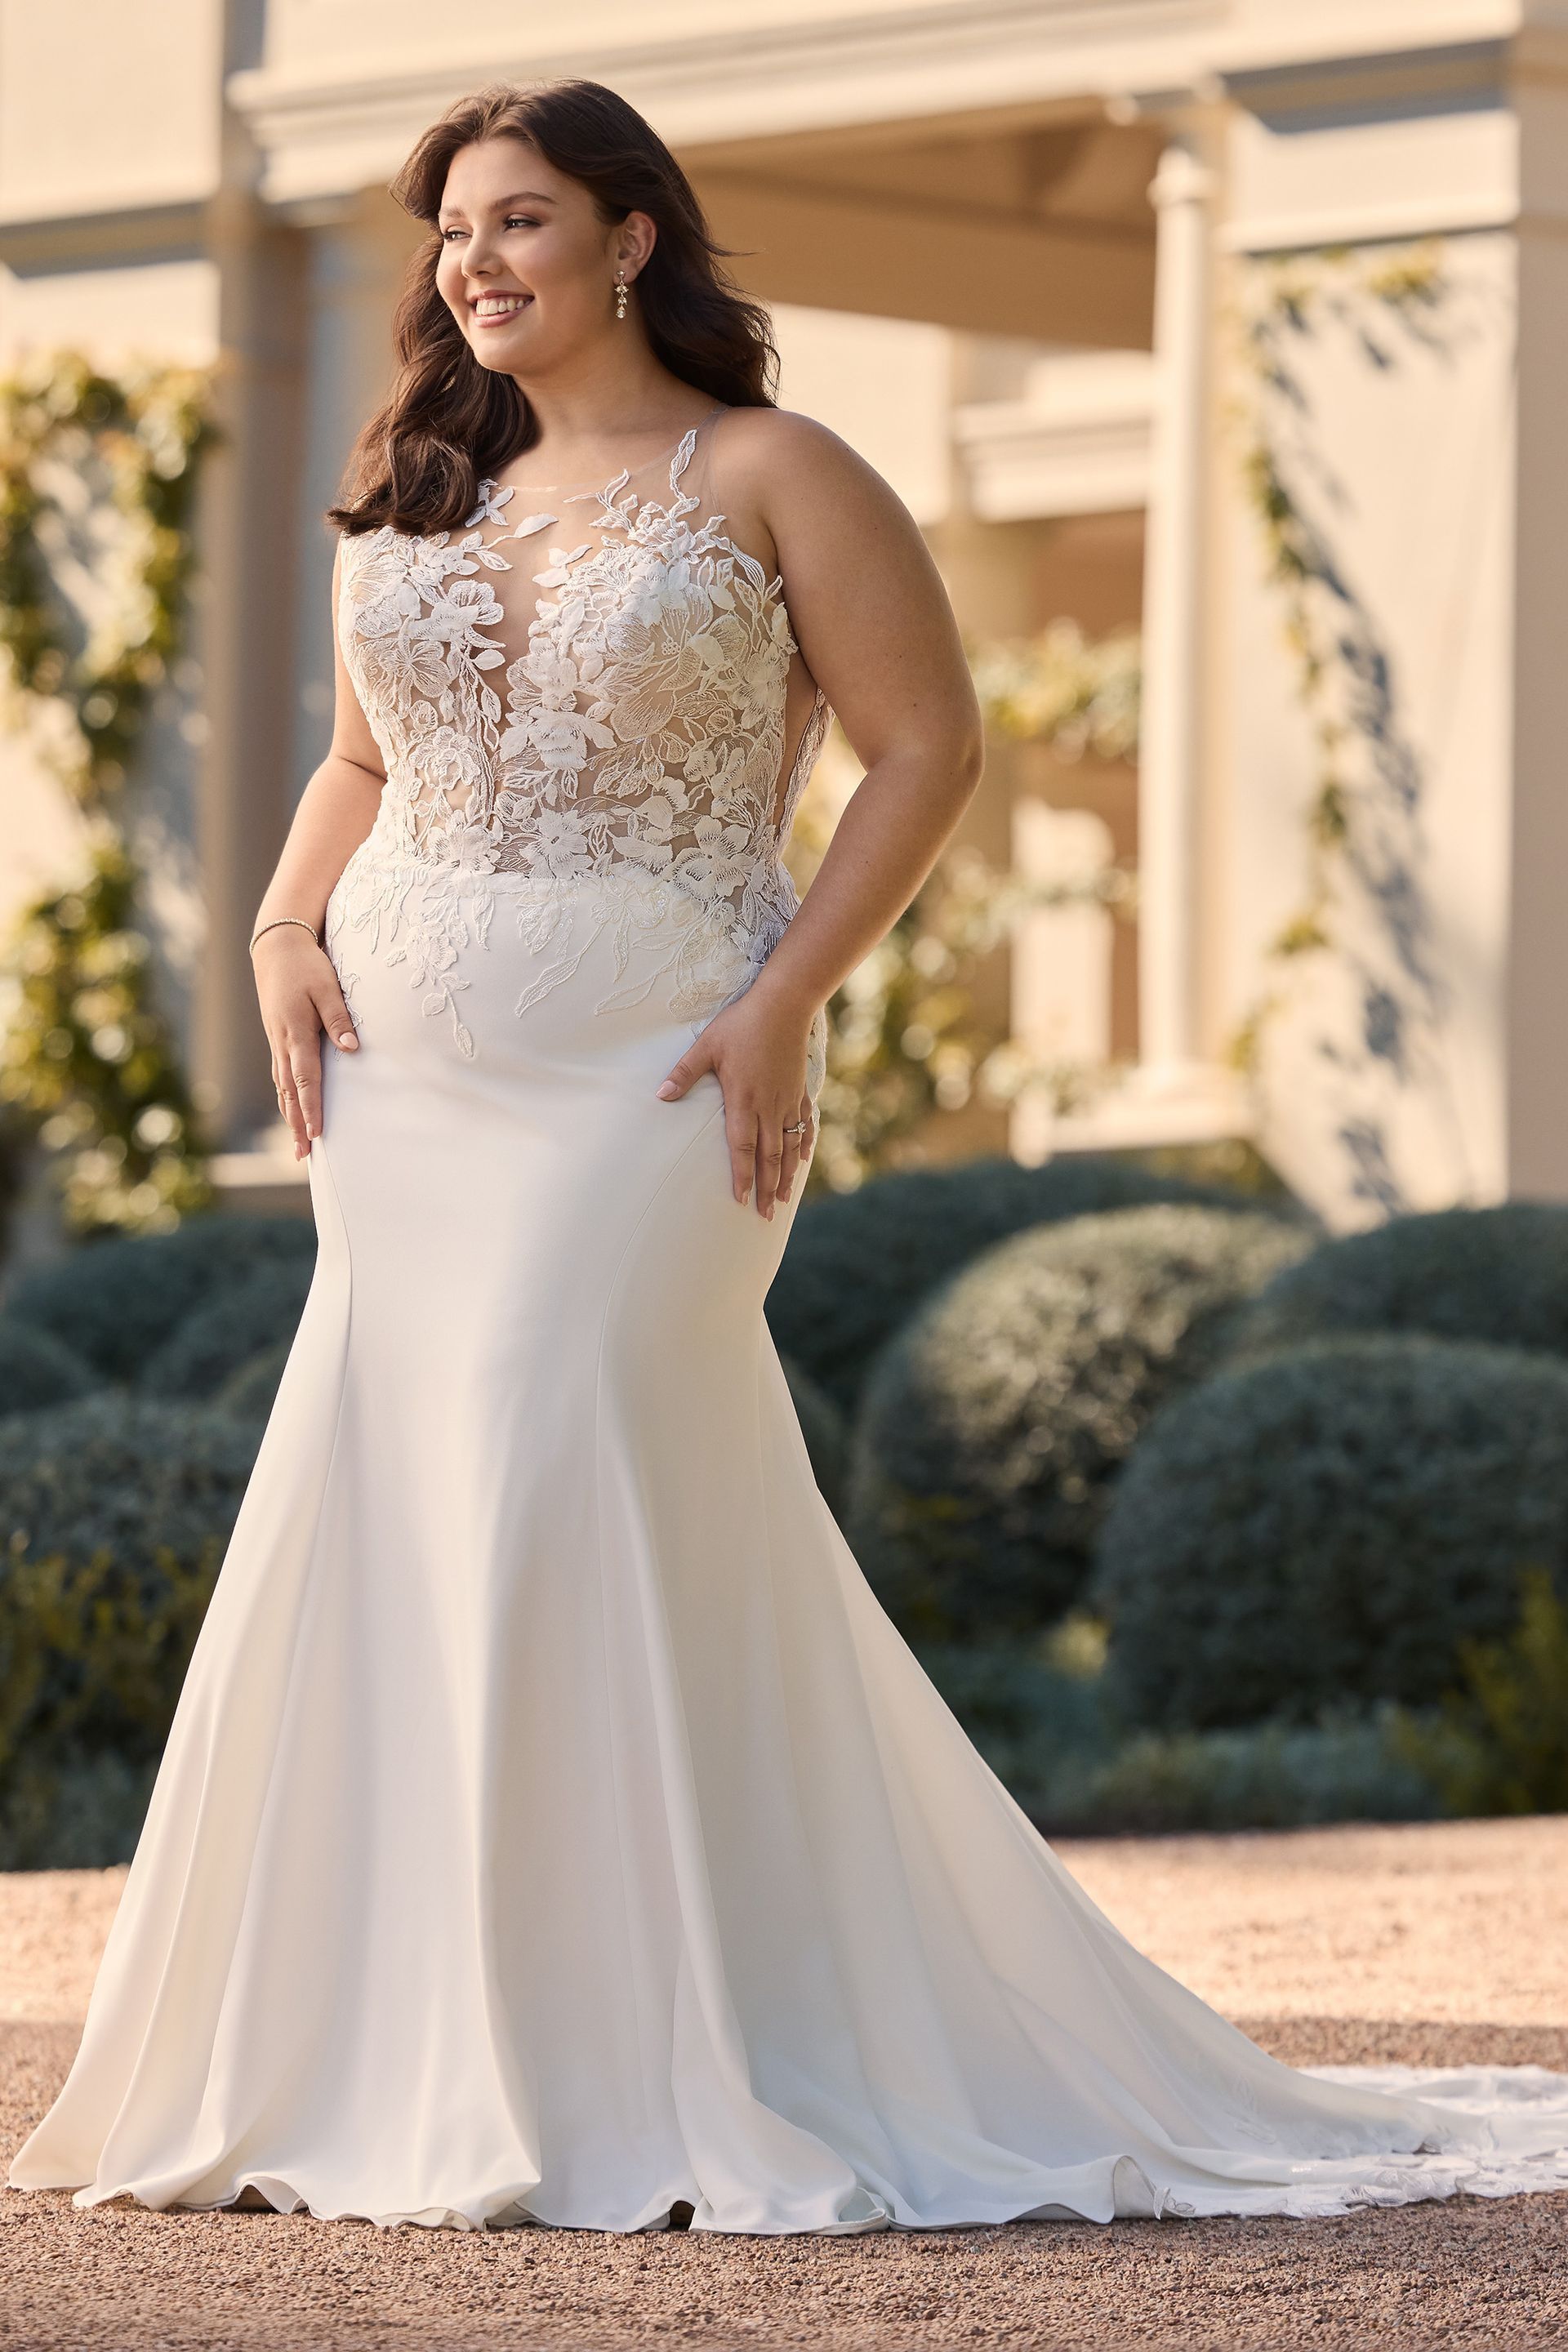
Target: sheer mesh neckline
584,489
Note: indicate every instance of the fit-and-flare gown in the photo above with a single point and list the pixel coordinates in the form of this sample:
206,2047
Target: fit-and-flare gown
553,1826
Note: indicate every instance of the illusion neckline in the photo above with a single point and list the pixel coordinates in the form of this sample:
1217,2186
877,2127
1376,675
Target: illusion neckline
624,473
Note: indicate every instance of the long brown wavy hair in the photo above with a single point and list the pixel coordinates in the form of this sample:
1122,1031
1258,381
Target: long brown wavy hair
448,421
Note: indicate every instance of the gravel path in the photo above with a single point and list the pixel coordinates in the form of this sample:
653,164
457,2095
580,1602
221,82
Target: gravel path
1430,1944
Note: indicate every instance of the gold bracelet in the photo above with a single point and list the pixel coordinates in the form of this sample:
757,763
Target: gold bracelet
272,926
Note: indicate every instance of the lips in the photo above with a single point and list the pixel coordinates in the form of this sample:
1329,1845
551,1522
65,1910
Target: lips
515,305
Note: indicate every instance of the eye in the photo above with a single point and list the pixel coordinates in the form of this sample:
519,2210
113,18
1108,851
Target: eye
521,220
448,233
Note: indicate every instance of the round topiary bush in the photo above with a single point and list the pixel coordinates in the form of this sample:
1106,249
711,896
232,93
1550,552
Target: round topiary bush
1459,1274
233,1329
992,1425
1324,1527
121,1473
859,1264
37,1370
114,1302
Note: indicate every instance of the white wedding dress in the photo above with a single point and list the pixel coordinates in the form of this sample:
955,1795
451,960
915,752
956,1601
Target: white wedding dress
554,1827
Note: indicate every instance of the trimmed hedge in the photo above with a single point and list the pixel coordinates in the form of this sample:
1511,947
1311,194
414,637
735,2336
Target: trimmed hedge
221,1339
992,1425
1328,1526
1459,1274
123,1474
37,1370
858,1265
114,1302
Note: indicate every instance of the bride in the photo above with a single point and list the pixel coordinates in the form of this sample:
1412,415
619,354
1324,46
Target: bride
553,1827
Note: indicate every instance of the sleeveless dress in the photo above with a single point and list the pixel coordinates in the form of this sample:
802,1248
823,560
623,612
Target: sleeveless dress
553,1828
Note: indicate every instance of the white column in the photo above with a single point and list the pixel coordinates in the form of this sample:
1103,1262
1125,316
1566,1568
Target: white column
1173,589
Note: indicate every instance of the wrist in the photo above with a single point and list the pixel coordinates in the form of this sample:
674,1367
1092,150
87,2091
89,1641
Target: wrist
274,926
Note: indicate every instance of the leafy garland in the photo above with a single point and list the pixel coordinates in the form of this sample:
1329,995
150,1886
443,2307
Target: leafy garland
1340,668
88,1058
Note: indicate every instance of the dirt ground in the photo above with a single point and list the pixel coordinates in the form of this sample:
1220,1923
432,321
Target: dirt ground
1431,1945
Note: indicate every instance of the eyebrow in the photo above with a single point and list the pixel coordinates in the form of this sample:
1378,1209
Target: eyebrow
523,196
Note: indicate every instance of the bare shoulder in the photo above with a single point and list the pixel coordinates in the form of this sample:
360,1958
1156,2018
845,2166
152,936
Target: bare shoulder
769,452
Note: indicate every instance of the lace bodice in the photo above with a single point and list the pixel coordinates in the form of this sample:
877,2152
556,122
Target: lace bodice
627,726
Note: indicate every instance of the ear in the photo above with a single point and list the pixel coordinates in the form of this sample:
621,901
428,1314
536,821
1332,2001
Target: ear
638,237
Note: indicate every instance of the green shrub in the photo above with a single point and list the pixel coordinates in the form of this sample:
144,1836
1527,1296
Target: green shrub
822,1426
1271,1776
1329,1526
859,1264
1051,1734
37,1370
127,1475
92,1658
992,1425
114,1302
1500,1744
1459,1273
222,1338
84,1813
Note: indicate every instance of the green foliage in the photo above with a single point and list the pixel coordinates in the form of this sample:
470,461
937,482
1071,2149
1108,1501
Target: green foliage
994,1424
220,1340
1327,1527
136,1480
1495,1274
37,1370
116,1302
1079,694
93,1654
143,433
1501,1743
1271,1776
90,1061
858,1265
1045,1726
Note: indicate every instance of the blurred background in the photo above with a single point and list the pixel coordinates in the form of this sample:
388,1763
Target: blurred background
1215,1081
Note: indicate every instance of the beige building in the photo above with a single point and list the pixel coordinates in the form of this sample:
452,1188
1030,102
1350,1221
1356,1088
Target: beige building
1094,283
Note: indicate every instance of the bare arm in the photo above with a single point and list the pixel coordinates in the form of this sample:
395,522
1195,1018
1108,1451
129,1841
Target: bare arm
295,982
874,625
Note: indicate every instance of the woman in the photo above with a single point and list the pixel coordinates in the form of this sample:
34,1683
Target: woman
553,1826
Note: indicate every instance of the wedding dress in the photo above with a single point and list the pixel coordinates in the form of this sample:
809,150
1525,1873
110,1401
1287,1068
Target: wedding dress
554,1827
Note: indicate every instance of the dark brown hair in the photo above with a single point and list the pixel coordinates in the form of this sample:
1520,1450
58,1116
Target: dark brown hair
447,420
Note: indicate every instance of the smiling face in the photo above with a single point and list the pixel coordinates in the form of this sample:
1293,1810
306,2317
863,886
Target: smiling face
527,266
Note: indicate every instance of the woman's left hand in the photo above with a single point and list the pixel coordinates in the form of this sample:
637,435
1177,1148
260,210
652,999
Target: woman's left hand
756,1049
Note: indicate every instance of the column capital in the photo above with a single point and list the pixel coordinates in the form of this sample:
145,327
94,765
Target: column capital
1182,177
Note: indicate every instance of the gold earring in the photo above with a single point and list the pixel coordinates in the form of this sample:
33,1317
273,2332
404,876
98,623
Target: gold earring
620,294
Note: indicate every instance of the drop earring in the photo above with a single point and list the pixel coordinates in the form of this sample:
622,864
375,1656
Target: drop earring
620,295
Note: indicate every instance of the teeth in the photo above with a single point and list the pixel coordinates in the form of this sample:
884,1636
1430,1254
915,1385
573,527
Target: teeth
495,306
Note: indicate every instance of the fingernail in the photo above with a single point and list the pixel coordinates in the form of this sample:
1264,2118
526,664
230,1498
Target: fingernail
348,1040
668,1088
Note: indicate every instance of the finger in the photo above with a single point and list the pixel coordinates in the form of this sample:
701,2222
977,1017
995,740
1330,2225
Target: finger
336,1018
290,1111
790,1163
741,1132
305,1062
693,1063
770,1159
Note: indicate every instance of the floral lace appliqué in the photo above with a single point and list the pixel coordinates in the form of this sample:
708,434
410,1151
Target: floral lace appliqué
635,744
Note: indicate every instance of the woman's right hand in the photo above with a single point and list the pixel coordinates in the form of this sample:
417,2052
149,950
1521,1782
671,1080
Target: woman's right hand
298,992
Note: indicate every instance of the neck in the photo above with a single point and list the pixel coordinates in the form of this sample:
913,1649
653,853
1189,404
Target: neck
598,400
